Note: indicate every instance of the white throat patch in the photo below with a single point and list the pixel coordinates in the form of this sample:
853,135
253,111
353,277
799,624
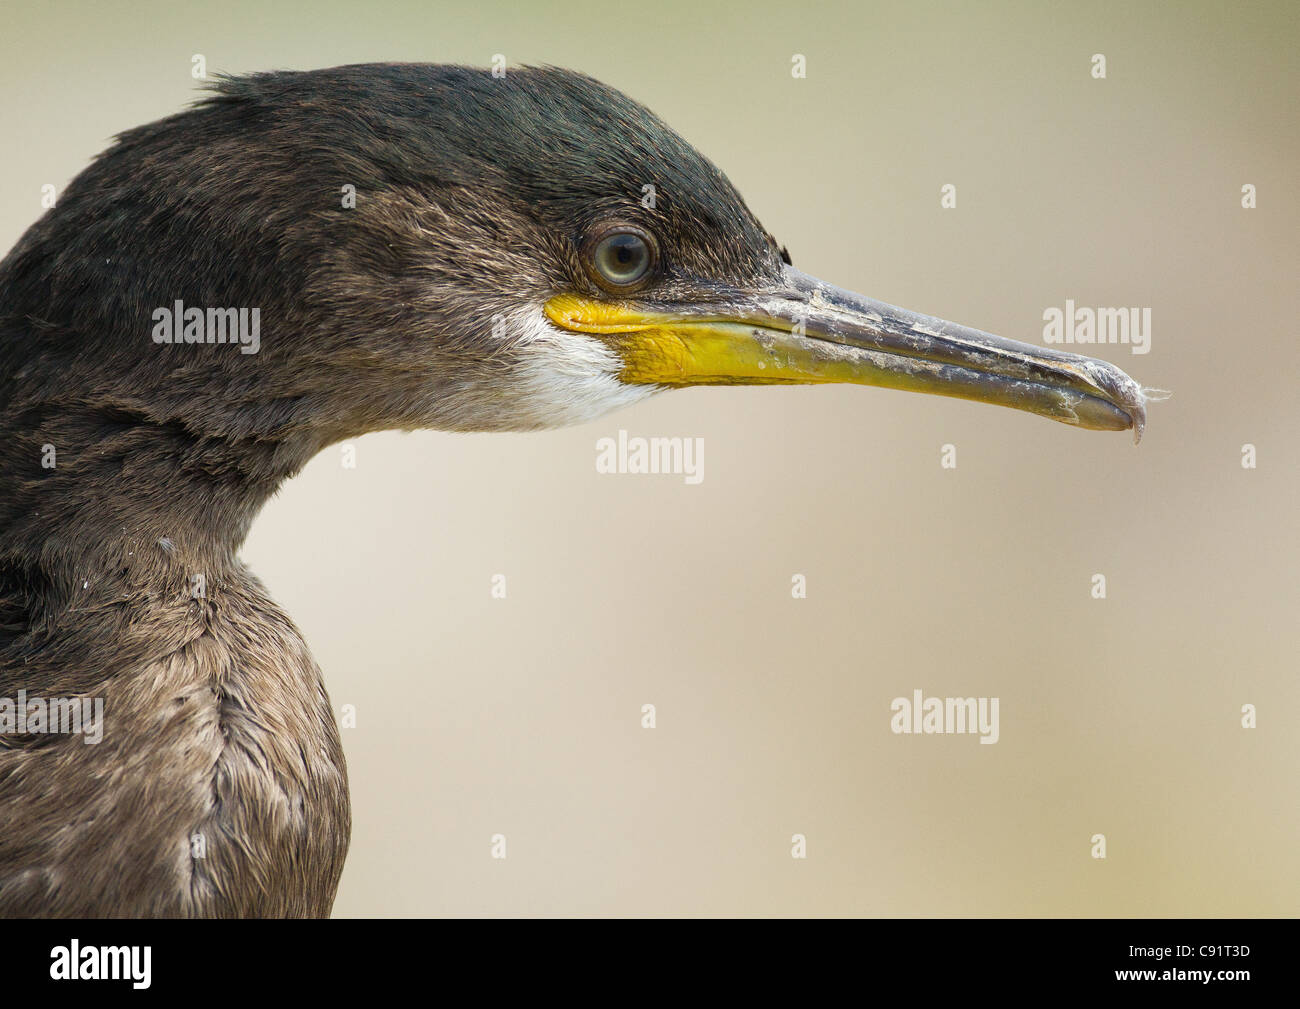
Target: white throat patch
565,378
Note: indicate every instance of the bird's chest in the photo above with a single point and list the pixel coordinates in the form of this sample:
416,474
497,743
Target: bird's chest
215,785
277,821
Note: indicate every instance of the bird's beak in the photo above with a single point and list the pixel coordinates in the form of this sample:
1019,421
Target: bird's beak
805,331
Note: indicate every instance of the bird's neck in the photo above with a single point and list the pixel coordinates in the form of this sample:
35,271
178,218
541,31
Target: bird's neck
109,490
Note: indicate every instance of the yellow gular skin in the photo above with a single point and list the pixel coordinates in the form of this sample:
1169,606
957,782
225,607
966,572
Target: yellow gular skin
659,349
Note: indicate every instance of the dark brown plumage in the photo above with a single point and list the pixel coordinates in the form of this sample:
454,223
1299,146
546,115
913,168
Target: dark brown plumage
473,193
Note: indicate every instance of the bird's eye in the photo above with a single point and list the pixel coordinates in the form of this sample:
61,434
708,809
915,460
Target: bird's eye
622,258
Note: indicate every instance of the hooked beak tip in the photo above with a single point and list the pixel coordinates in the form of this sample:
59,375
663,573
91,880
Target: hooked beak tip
1147,395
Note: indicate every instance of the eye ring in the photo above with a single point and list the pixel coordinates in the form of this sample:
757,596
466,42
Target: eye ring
621,258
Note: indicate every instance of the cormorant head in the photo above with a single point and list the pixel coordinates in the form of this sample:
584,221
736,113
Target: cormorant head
435,246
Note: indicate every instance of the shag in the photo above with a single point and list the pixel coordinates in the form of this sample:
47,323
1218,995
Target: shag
298,259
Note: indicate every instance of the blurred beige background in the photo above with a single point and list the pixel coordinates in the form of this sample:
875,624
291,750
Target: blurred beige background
521,716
